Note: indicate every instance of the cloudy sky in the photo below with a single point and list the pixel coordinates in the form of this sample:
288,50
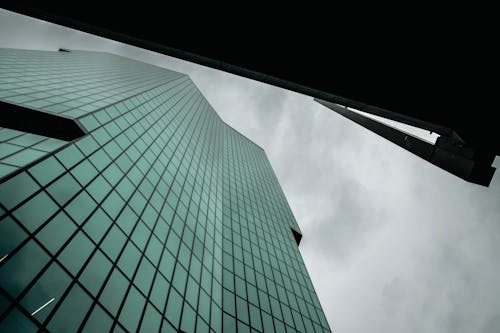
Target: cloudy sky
392,243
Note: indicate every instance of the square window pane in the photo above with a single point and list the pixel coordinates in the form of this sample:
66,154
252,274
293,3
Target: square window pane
113,242
99,188
140,235
151,321
80,207
113,204
42,205
46,170
51,285
69,156
95,272
17,322
114,292
97,225
154,249
64,189
76,253
72,311
159,292
17,189
129,259
98,321
84,172
174,306
132,310
21,268
144,276
11,235
188,318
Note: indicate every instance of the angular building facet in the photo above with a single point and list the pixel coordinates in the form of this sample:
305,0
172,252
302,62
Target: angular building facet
128,205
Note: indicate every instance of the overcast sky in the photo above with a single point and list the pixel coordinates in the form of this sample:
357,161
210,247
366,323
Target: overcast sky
392,243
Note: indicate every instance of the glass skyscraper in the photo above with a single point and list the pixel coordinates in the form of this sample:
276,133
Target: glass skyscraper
155,216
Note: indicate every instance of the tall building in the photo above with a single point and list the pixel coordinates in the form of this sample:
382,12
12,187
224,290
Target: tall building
127,204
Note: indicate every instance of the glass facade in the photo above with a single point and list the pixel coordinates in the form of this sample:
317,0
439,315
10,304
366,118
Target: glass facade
161,218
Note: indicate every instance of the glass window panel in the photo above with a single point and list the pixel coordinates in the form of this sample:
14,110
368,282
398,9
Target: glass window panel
41,204
188,318
167,264
275,308
98,321
173,242
267,320
144,276
174,306
89,122
99,188
21,268
11,235
242,310
81,207
149,216
129,259
228,302
17,322
24,157
132,310
69,156
195,268
113,242
17,189
159,292
95,272
64,189
100,159
168,328
51,284
137,202
204,305
47,170
280,327
201,326
56,232
49,144
298,321
243,328
114,292
112,174
255,317
192,292
6,169
97,225
4,303
127,219
184,255
72,311
87,145
179,280
113,204
84,172
240,287
216,318
153,250
140,235
76,253
151,321
229,323
125,188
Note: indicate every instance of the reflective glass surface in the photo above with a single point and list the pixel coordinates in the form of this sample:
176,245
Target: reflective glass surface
162,218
